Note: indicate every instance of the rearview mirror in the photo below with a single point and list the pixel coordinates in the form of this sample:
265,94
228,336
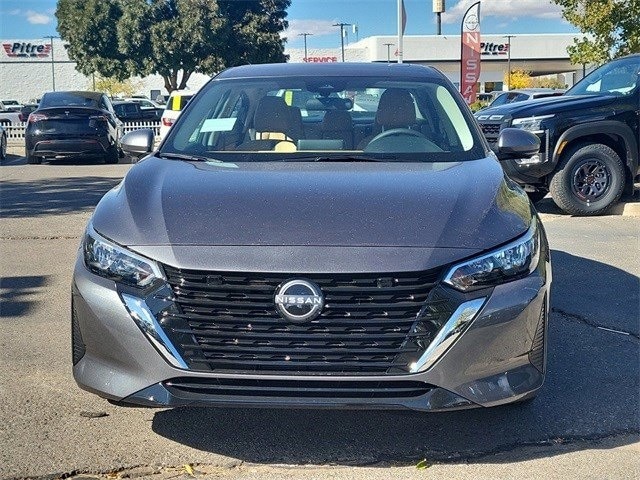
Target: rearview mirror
516,143
138,142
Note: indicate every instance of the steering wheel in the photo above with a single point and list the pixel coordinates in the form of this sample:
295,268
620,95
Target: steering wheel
397,131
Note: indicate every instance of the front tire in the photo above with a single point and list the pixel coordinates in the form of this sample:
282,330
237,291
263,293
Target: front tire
3,147
34,160
589,180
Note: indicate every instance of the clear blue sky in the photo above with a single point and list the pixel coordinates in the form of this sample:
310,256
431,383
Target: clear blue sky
26,19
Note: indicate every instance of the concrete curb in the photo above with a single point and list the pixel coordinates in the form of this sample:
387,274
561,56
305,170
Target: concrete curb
629,209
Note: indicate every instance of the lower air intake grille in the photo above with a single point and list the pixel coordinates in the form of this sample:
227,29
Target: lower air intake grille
77,344
294,388
371,324
536,355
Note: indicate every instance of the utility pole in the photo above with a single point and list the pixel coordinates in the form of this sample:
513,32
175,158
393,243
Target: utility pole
305,35
509,37
389,45
342,25
53,69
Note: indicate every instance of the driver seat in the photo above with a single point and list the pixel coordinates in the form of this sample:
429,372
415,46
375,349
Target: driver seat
395,110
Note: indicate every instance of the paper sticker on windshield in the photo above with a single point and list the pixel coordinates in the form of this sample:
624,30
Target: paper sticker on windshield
218,125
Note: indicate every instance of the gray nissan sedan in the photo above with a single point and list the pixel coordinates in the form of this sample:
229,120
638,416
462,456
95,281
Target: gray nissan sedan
316,236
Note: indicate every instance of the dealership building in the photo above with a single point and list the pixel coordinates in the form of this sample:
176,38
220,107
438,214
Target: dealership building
28,68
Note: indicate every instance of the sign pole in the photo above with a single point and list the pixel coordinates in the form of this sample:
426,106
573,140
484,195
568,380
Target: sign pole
400,32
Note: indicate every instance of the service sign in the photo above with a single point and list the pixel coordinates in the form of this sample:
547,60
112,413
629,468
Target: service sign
320,59
27,50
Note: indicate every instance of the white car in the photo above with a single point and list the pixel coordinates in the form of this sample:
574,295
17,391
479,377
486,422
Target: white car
145,103
177,101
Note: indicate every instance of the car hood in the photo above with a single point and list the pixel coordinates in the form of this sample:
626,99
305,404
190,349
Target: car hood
467,205
546,106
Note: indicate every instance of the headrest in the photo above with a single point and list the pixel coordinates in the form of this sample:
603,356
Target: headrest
396,109
272,115
337,120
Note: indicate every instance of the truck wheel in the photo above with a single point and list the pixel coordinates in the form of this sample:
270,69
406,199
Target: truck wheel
589,180
34,160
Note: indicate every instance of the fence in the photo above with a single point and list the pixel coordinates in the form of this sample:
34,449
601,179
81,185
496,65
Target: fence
15,131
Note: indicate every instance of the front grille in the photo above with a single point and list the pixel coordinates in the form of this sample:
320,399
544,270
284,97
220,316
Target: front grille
194,387
490,131
371,323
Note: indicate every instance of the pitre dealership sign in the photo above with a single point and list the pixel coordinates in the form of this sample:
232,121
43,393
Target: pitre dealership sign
27,50
490,48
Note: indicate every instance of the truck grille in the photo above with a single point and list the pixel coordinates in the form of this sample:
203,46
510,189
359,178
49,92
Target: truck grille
371,324
490,131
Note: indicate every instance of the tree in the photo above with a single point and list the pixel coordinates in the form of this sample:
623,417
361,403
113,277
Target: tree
612,28
173,38
114,87
518,79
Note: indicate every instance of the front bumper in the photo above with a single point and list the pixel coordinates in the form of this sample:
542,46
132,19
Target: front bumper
498,359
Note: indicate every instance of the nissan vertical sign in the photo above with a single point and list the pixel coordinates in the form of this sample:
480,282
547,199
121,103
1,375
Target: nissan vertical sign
470,56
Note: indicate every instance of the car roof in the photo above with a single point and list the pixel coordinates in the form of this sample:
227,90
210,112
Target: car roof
123,102
337,69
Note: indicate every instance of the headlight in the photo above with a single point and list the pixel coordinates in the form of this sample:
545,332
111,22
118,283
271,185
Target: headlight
531,124
112,261
515,260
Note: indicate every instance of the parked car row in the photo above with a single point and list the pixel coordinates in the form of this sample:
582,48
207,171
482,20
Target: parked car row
66,124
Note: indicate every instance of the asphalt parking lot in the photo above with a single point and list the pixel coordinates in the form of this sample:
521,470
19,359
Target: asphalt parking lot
584,424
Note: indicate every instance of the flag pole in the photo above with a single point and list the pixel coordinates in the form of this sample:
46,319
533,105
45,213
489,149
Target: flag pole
400,32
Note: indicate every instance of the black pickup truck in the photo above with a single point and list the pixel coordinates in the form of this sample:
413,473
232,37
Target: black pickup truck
589,139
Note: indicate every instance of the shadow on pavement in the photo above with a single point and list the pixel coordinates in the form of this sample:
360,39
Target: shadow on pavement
591,392
52,196
16,160
18,294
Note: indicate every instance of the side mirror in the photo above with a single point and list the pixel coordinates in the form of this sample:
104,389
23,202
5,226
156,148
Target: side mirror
516,143
138,142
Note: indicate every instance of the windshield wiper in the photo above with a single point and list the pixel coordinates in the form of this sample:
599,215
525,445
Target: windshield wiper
184,156
335,158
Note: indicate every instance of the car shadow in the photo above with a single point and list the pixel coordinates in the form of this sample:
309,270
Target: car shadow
591,393
52,196
17,160
17,294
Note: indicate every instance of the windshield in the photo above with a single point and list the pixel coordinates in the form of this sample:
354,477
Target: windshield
619,78
314,118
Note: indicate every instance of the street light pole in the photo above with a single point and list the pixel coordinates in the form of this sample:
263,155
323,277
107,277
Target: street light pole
53,69
342,25
305,35
509,37
389,45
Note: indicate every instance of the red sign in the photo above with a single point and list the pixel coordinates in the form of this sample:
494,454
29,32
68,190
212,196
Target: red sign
23,49
320,59
470,56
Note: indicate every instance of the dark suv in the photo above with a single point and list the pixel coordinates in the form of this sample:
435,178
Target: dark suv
69,124
589,139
